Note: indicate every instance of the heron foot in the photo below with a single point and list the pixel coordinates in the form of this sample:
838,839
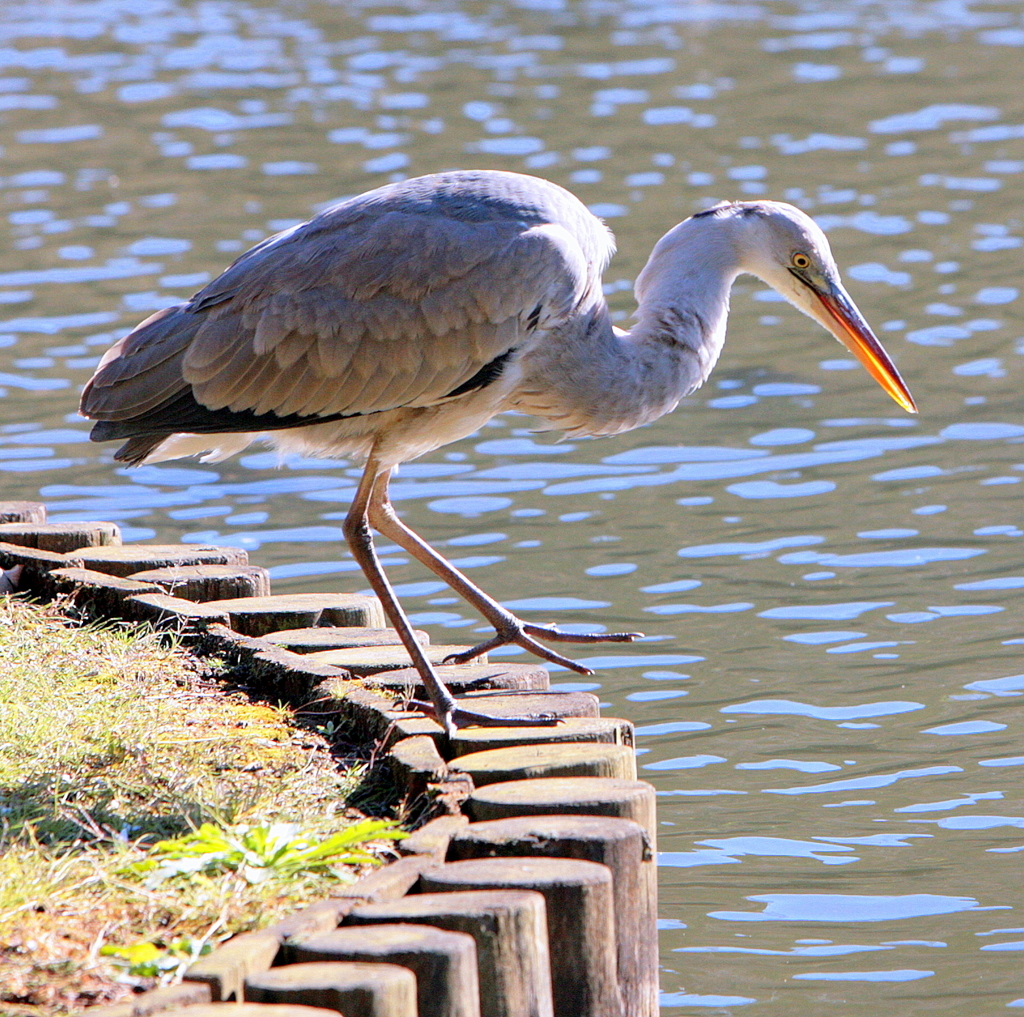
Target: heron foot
523,634
460,717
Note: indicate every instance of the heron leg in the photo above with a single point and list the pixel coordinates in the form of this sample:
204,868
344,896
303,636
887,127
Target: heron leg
360,540
507,627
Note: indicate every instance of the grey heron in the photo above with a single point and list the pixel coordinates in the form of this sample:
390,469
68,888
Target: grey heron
395,322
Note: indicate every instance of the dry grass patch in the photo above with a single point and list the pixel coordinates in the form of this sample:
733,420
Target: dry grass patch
110,742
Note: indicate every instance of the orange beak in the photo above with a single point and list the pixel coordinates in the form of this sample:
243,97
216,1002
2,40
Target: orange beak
855,334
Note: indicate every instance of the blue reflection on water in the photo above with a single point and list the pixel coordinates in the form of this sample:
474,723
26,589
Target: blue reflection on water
697,999
684,762
819,638
788,707
804,766
865,782
843,907
826,612
900,975
670,727
965,727
903,558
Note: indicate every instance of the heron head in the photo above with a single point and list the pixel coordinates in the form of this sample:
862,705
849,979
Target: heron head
785,248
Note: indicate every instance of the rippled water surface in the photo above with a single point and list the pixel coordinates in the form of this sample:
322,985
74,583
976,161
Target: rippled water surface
828,700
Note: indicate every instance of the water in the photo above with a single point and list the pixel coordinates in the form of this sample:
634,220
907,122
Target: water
828,695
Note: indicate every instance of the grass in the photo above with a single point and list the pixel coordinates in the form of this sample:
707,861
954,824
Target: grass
146,812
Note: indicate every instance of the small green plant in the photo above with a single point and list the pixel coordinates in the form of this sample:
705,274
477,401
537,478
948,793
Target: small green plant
329,730
259,853
150,960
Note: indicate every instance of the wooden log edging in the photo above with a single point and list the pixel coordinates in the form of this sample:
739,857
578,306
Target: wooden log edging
512,879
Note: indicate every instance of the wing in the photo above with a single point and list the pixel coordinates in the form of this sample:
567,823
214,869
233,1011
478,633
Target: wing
399,298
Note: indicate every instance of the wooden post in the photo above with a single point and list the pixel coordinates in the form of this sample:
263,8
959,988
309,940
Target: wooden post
444,963
252,616
28,569
165,611
511,935
432,839
618,843
337,638
581,933
505,703
128,559
96,595
597,796
568,759
225,970
22,512
349,987
416,763
61,537
371,660
202,583
609,730
462,678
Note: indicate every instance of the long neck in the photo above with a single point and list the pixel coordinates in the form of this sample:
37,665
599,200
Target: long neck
594,379
683,296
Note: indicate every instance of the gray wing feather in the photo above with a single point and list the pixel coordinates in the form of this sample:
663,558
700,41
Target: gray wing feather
406,338
364,310
142,370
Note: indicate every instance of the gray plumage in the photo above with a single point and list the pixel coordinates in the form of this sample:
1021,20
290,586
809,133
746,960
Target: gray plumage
393,299
403,319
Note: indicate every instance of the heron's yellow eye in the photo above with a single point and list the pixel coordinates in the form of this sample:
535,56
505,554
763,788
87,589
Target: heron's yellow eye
801,260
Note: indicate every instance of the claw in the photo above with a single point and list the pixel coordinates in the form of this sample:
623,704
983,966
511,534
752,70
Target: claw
538,649
466,718
558,636
521,634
